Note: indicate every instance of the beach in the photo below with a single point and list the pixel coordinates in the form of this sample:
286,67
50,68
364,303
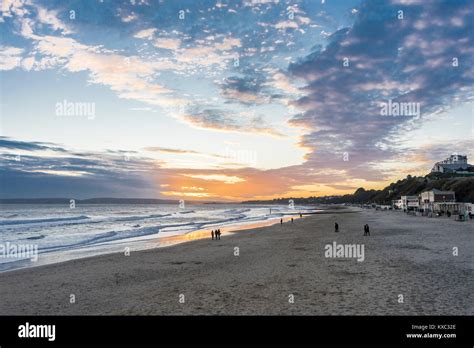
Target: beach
273,270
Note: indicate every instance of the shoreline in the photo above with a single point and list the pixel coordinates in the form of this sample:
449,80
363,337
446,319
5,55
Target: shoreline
405,255
170,241
160,242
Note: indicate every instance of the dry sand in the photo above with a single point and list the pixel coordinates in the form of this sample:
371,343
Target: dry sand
411,256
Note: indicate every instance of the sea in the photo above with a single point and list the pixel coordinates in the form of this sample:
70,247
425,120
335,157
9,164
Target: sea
38,234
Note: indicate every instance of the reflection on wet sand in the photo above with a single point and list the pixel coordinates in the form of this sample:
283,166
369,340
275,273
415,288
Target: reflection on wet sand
206,233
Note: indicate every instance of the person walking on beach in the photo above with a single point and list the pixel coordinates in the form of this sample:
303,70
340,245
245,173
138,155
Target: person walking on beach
291,220
212,234
336,227
366,230
301,215
281,221
218,234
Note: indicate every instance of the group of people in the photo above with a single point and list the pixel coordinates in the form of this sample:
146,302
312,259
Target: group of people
366,229
216,234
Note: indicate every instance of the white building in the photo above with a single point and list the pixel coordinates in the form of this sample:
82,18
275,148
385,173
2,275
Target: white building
437,200
453,164
436,195
410,202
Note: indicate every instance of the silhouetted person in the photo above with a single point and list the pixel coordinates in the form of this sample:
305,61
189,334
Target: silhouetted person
336,227
219,233
212,234
281,221
301,215
291,220
366,230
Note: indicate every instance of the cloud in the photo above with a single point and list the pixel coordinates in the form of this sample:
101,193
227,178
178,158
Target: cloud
245,90
286,25
168,150
387,58
44,184
93,174
6,143
145,33
205,53
226,179
50,18
282,82
9,8
168,44
259,2
212,119
128,76
186,194
38,173
260,87
10,57
127,17
134,77
74,174
215,54
224,120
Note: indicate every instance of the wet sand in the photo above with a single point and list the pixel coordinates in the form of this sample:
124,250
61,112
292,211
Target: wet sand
405,255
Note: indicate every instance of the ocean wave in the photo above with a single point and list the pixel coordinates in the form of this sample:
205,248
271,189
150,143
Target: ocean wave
11,216
236,211
38,221
41,236
139,217
112,236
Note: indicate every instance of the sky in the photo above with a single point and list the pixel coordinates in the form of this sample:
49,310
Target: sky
230,100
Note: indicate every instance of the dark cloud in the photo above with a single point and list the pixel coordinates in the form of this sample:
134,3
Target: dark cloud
20,184
7,143
79,175
246,90
212,118
215,118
